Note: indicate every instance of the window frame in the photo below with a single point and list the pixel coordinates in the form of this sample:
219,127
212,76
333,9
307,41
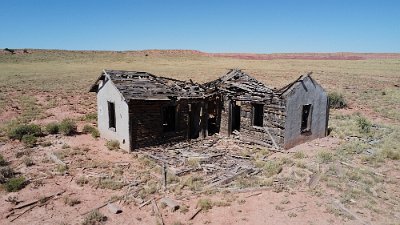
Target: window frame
112,117
306,120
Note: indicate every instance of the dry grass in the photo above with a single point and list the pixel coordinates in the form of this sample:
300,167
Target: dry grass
366,142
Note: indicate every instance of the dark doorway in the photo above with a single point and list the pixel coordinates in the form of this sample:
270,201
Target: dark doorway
194,120
235,117
169,118
213,116
258,115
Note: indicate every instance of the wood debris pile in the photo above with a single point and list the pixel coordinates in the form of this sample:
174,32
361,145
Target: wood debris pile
218,160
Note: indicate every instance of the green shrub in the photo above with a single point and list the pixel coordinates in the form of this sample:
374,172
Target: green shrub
271,168
325,157
81,181
90,117
28,161
15,184
299,155
6,173
62,168
71,201
29,140
93,218
391,154
68,127
336,101
108,183
204,204
92,130
24,129
3,162
53,128
364,125
112,144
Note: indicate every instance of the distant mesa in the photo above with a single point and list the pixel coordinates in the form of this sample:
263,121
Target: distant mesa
247,56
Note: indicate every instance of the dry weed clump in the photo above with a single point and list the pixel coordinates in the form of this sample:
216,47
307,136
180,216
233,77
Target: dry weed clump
112,145
89,129
68,127
336,100
52,128
93,218
108,183
205,204
71,201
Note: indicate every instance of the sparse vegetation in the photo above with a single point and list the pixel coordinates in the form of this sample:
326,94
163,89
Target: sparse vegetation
299,155
205,204
364,125
3,162
15,184
81,181
371,149
62,169
53,128
68,127
29,140
108,183
22,130
89,129
71,201
28,161
336,100
94,218
6,173
112,145
325,157
90,117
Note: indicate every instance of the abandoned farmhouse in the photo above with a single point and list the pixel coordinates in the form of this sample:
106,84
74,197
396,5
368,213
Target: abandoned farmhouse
140,109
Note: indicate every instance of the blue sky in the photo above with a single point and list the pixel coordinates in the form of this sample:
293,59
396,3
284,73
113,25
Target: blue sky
205,25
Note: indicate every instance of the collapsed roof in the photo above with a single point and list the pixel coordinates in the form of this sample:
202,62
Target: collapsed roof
134,85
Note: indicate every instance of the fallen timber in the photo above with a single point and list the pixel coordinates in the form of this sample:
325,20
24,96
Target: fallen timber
218,166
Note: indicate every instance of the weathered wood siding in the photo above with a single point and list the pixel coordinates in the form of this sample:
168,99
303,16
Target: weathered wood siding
147,123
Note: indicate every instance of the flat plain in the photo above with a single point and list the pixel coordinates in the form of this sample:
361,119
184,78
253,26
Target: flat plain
349,177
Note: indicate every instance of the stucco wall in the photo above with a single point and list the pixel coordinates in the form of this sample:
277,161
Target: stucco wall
307,92
108,92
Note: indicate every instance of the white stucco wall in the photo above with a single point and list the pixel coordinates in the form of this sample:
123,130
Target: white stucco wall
108,92
308,93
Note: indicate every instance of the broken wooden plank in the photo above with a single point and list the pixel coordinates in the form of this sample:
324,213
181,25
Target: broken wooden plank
195,214
347,211
240,157
255,194
55,159
27,210
230,178
99,207
114,208
38,200
170,203
157,211
356,167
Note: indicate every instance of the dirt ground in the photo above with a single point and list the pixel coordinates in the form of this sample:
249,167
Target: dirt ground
349,177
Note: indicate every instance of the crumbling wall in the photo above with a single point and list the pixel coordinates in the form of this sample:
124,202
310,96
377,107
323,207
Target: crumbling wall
224,121
147,126
272,131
